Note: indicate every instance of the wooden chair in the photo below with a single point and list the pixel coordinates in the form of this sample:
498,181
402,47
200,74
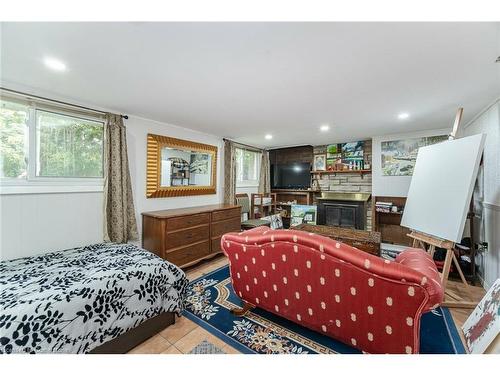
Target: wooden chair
246,208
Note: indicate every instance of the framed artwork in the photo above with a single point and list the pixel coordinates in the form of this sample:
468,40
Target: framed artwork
319,162
352,150
399,157
303,214
483,325
333,156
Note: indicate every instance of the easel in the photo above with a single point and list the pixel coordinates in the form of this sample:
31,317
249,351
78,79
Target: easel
429,244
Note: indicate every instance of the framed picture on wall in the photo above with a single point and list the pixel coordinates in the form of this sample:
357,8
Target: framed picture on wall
399,156
319,162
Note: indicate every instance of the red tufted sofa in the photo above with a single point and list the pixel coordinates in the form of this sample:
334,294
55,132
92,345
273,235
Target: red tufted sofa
362,300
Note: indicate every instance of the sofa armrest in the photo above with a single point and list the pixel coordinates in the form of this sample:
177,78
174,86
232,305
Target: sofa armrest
421,261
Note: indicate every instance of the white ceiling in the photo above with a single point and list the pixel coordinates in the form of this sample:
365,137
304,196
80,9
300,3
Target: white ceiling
243,80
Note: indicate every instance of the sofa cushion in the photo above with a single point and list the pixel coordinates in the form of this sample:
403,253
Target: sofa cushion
421,261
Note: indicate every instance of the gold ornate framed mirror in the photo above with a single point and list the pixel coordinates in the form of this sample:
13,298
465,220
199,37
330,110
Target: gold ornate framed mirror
176,167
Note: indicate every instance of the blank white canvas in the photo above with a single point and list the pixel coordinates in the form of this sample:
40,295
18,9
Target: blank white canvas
441,187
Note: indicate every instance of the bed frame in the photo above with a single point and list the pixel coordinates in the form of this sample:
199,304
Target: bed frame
135,336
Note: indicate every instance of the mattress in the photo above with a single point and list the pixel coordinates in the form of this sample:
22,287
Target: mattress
74,300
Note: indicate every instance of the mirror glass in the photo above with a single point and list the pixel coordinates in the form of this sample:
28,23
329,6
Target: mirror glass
185,168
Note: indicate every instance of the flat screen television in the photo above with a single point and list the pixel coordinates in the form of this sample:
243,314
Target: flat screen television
291,176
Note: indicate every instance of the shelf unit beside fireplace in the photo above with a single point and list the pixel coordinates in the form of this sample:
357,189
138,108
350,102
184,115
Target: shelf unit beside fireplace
389,223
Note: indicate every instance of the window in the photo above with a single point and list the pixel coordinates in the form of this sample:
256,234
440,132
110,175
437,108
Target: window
247,167
41,145
13,140
68,146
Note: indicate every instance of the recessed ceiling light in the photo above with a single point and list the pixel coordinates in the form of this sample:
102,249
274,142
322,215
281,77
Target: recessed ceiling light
403,116
54,64
269,136
324,128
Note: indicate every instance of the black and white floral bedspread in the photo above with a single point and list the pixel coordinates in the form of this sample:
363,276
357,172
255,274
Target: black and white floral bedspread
74,300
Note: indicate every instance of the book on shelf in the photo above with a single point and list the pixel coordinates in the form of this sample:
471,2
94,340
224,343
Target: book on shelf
388,204
384,210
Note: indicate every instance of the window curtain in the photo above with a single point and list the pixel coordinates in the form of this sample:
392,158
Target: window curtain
119,214
229,172
265,174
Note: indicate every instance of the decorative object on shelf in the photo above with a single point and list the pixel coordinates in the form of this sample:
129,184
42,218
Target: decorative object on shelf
303,214
315,184
399,157
319,162
176,167
385,207
483,325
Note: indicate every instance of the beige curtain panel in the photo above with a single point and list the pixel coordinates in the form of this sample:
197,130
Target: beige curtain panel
119,214
265,174
229,172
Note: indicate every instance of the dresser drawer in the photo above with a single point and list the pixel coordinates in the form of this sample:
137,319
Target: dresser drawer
216,245
225,226
187,236
187,221
188,254
226,214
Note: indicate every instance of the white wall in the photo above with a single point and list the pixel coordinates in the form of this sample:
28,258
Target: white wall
488,122
32,224
137,130
247,189
394,186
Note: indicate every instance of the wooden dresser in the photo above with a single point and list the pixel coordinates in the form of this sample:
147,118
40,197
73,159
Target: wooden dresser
187,235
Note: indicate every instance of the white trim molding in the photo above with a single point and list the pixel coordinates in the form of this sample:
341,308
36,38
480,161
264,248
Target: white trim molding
49,189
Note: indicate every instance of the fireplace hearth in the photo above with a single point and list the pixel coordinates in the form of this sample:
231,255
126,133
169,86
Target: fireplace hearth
346,210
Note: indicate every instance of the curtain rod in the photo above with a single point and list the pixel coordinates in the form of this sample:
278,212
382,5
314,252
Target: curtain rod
242,144
57,101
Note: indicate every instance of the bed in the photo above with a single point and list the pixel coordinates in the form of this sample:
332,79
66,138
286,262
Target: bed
98,298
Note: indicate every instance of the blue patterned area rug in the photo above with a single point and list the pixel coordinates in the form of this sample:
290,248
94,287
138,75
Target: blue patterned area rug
211,297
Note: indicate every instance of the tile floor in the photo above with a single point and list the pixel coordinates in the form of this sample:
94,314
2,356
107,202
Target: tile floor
184,335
